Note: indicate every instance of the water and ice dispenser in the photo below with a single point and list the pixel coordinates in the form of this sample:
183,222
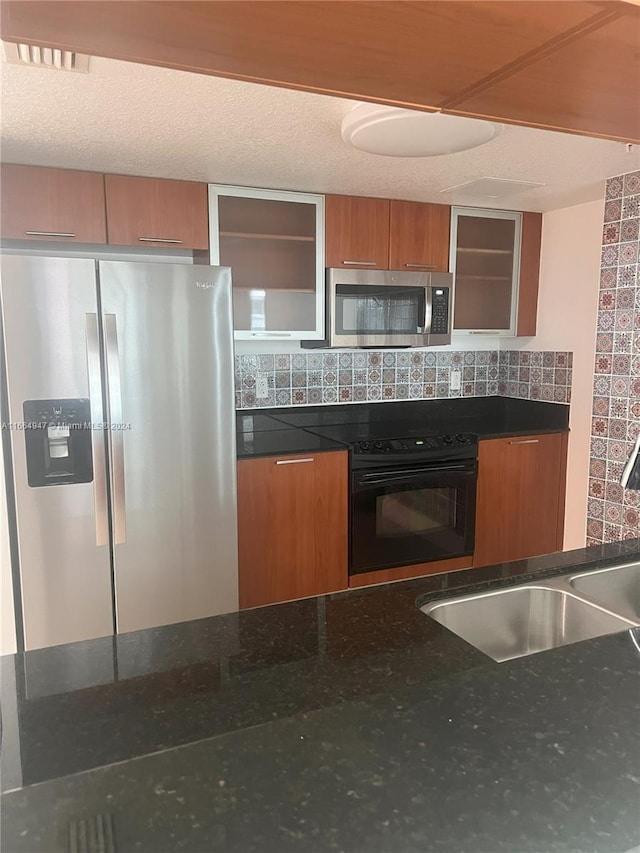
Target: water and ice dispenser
58,441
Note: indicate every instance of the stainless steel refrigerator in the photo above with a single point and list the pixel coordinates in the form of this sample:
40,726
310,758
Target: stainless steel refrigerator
122,442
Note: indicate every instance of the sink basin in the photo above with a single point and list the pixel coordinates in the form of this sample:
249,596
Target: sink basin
519,621
618,588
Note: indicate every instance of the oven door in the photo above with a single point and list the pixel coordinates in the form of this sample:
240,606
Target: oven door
403,516
380,315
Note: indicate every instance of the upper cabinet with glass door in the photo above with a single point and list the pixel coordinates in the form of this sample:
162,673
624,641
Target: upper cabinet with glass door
495,258
274,243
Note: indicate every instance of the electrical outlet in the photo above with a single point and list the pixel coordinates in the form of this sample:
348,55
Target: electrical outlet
262,387
455,379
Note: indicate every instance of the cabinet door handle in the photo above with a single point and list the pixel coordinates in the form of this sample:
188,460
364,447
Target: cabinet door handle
49,234
526,441
422,266
487,332
270,334
294,461
362,263
158,240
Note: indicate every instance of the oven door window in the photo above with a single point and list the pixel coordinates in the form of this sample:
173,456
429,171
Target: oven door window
411,520
417,512
386,310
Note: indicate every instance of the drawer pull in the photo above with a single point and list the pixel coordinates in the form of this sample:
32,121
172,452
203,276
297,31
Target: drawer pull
158,240
271,334
294,461
49,234
422,266
362,263
487,332
526,441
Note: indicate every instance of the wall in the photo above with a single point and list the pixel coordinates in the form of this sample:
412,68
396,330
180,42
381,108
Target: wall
567,309
613,511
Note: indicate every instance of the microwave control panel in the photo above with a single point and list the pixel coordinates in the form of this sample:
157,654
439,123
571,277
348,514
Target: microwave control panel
439,311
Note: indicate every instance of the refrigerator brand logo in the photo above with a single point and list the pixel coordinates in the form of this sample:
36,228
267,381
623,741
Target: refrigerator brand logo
206,285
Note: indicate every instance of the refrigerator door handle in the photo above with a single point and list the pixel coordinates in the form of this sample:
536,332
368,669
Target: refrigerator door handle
116,427
97,435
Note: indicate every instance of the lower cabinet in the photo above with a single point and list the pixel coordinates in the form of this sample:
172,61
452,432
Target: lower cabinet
292,526
520,497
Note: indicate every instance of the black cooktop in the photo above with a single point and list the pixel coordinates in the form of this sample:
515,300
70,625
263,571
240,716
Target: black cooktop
384,432
398,442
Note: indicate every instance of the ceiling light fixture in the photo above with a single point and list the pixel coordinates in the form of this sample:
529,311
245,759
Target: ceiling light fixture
396,132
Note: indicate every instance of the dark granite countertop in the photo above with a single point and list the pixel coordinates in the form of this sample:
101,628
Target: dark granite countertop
307,429
268,440
349,722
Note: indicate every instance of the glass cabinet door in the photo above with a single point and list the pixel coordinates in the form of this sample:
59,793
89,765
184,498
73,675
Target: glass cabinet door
485,261
274,243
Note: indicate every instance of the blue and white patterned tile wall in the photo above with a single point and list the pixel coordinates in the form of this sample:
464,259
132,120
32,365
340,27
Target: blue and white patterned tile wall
536,375
613,513
312,378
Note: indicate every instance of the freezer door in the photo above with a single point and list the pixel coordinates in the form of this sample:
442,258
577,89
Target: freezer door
169,353
50,320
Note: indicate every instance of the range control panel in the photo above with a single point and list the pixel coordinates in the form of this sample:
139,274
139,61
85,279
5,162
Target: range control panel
439,311
420,446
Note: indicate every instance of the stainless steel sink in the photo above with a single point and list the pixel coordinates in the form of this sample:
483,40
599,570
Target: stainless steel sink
523,620
617,587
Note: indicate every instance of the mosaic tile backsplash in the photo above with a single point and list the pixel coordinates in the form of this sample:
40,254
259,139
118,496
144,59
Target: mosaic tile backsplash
613,513
357,376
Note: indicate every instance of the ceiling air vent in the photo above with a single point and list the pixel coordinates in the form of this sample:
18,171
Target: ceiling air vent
492,187
45,57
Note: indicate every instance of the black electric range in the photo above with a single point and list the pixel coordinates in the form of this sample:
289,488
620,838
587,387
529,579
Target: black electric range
412,492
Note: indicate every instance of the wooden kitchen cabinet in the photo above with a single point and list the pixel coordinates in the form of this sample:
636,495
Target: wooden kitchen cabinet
62,205
274,243
292,527
357,232
520,497
528,286
156,212
381,234
495,259
419,236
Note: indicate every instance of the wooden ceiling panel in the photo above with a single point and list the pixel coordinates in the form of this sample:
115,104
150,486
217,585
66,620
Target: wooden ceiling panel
591,86
475,57
404,51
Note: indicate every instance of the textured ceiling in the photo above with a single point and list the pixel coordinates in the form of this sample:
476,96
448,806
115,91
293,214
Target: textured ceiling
142,120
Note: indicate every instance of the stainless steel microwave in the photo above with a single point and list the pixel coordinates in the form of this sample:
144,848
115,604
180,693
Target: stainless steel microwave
387,308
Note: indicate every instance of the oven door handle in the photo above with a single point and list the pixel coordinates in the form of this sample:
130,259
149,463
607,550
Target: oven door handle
398,476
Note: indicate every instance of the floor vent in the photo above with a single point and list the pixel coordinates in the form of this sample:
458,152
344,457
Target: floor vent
93,834
45,57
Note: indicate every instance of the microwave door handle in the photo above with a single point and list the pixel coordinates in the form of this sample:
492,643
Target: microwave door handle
428,310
